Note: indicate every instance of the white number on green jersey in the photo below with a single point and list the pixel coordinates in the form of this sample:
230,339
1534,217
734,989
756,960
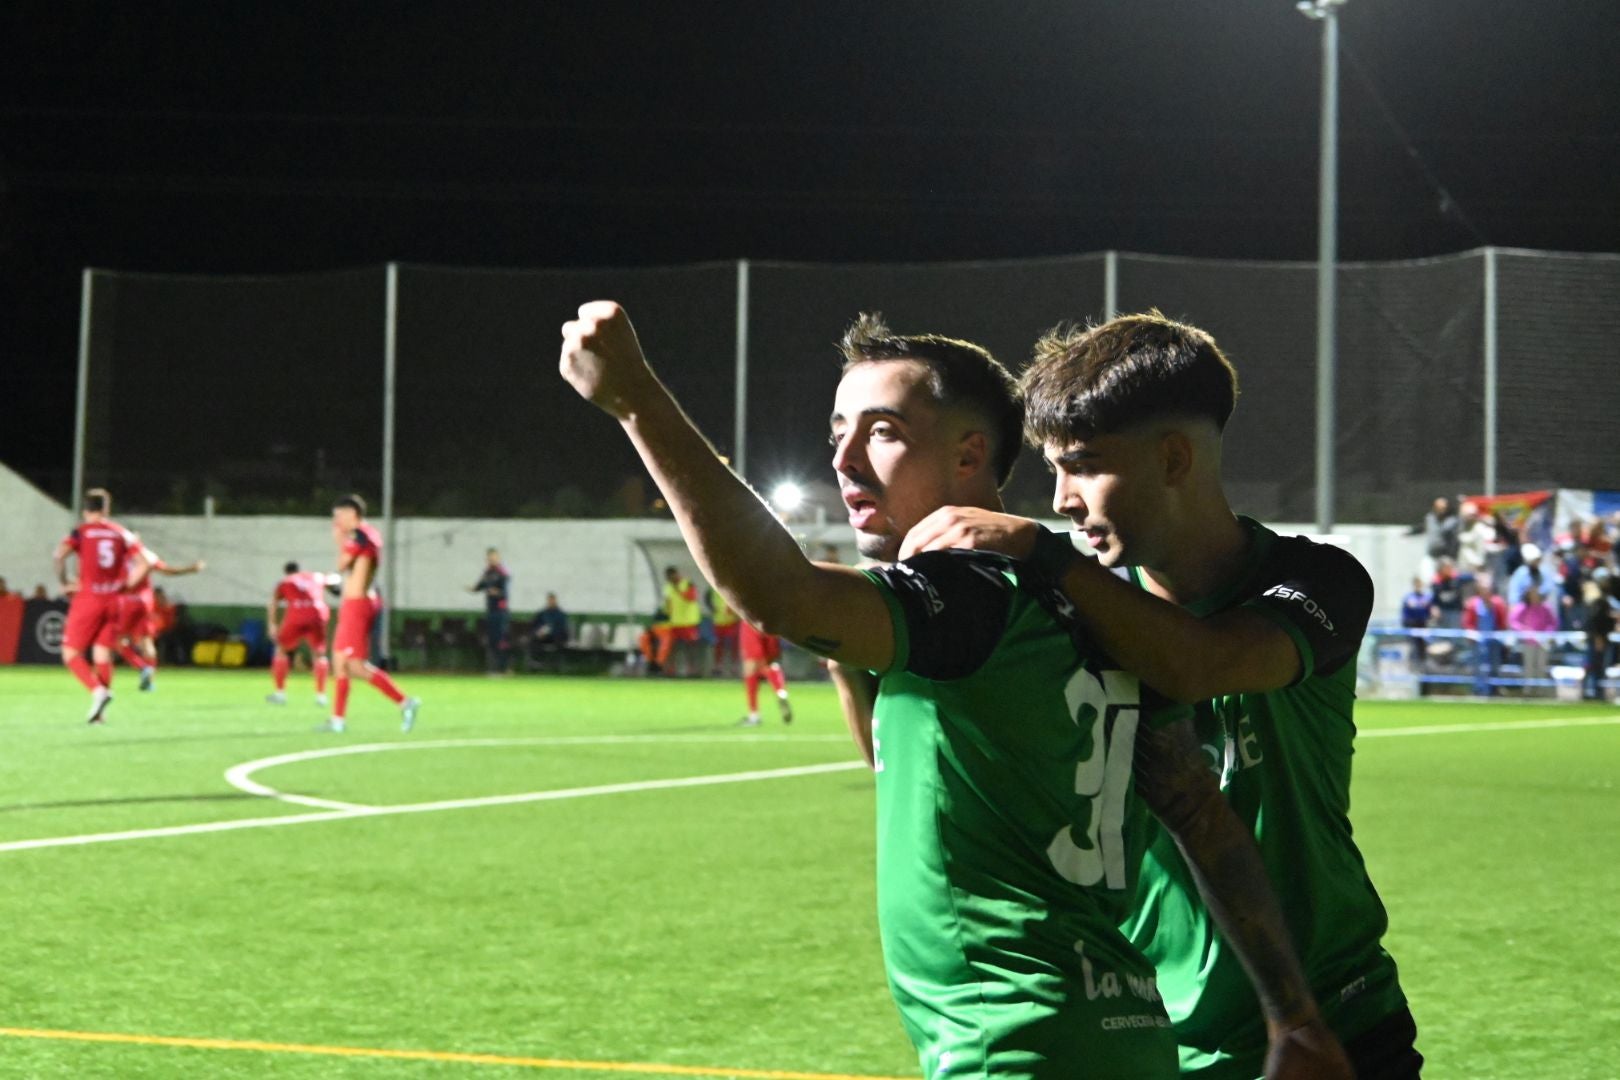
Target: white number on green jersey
1111,705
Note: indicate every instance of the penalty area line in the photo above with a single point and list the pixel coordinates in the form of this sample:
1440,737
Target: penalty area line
451,1056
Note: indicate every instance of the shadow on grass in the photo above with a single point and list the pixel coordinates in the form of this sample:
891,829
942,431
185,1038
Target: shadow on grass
67,804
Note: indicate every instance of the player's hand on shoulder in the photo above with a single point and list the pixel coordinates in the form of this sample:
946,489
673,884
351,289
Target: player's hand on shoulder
1307,1052
971,528
602,359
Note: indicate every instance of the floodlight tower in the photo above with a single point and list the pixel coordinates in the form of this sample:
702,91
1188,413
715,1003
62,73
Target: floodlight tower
1327,222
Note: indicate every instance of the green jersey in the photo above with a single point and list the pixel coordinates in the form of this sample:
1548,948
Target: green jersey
1009,830
1284,762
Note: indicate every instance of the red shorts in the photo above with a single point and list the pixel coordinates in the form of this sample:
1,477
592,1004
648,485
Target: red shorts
758,645
93,619
727,633
353,638
134,616
683,633
310,628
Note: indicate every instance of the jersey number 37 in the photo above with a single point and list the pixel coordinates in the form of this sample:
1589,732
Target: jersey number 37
1110,704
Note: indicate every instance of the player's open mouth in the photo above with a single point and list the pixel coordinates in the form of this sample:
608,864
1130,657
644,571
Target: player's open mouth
862,508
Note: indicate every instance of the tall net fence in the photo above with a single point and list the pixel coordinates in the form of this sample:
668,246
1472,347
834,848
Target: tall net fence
269,394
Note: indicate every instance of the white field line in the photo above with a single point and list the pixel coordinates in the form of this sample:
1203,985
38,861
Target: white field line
432,807
1506,725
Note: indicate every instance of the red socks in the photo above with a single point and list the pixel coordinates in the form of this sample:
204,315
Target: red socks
81,671
104,674
340,697
128,655
778,683
278,671
379,678
321,667
751,687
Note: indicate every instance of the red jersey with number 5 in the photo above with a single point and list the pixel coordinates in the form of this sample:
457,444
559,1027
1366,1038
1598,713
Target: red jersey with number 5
103,548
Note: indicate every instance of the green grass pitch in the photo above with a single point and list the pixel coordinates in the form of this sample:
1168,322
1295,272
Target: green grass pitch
725,927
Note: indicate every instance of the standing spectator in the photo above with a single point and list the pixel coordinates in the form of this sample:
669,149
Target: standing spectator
1502,554
1446,596
495,585
1599,623
1417,612
1530,573
1474,535
1485,614
1532,618
549,635
1571,586
685,614
1439,536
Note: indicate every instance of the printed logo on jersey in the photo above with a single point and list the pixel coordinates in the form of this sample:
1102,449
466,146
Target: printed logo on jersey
48,632
923,587
1312,608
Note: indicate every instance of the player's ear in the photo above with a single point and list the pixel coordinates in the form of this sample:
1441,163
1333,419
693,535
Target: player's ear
972,453
1175,456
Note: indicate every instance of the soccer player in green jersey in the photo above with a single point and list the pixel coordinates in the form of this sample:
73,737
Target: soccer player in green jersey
1260,631
1013,763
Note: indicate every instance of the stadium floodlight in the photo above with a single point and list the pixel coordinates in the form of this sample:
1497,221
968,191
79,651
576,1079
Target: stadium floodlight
787,496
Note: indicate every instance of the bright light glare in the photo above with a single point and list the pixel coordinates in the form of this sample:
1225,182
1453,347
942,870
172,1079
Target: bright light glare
787,497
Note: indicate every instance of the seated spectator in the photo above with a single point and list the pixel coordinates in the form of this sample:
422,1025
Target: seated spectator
1571,584
1417,612
548,635
1446,596
656,642
1532,616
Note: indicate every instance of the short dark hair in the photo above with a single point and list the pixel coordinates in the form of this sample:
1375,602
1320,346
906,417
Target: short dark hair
960,375
353,502
98,501
290,568
1094,380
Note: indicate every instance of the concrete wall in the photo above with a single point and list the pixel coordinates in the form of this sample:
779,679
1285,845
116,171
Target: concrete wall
597,566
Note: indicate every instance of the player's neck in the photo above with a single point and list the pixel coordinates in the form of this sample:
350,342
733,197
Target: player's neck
1202,553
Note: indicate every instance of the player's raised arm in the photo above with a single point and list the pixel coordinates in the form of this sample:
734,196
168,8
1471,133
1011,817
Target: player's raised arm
739,545
1173,778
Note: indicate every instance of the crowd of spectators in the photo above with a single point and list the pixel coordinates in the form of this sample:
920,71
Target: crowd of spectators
1479,574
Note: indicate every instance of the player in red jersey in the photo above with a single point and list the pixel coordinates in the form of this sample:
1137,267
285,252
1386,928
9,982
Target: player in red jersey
108,557
359,552
136,627
303,593
761,653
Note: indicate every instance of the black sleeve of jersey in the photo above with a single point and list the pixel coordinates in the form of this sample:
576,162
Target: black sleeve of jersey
1322,596
361,540
954,605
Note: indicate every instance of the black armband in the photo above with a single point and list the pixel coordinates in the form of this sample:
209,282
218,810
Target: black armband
1054,553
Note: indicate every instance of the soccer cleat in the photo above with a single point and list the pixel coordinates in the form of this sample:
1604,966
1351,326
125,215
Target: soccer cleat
407,713
277,698
100,698
334,726
320,699
146,680
787,710
751,720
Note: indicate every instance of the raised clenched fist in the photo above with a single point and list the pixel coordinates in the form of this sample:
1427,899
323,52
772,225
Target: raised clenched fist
602,359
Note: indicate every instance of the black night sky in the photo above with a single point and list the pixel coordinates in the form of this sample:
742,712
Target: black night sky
239,137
